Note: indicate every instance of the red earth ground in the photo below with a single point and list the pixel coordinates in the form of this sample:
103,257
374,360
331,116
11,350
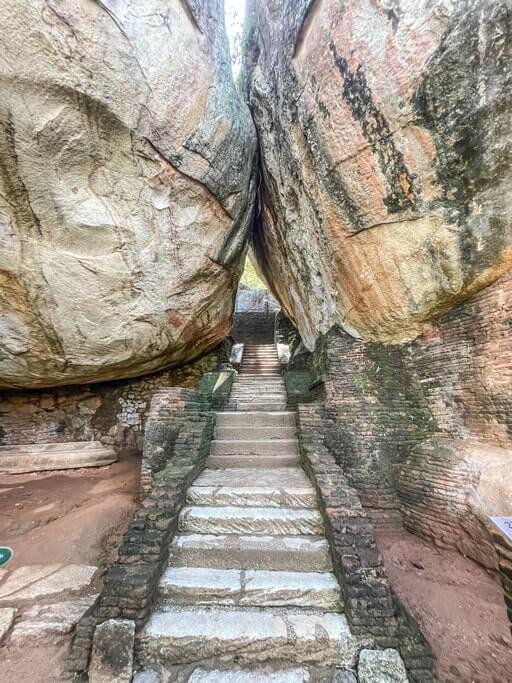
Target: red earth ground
458,605
70,517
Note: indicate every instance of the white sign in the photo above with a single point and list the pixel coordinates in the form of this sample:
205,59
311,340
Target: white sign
504,524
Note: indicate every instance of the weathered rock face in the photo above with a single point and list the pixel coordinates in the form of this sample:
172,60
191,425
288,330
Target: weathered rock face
125,187
385,142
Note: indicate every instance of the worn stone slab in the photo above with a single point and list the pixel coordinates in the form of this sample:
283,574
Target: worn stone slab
36,581
252,461
255,418
257,392
55,619
7,615
302,553
258,433
112,652
304,497
54,456
299,675
264,406
177,635
258,588
276,478
250,520
254,447
384,666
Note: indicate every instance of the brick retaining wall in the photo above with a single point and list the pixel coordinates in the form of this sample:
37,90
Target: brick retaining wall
176,445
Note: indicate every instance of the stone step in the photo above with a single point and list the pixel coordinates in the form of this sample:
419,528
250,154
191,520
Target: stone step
248,377
250,520
249,389
277,373
275,478
255,418
259,674
252,496
258,396
254,447
257,407
258,433
290,553
178,635
247,362
248,395
255,588
263,360
264,385
252,461
54,456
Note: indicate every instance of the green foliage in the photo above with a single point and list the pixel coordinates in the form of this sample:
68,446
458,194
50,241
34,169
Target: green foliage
250,278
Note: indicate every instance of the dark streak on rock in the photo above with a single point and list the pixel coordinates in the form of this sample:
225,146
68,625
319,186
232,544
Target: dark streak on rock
13,181
358,96
464,100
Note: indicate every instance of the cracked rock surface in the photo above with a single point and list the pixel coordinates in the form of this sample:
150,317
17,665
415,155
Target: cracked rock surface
385,153
126,159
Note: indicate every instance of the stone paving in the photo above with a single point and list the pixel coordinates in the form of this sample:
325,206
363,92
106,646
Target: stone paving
43,600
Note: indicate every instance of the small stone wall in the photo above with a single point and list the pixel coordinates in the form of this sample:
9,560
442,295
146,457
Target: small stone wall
370,605
176,445
503,548
112,412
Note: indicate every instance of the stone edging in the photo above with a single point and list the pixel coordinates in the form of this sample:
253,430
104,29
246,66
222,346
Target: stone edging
370,604
503,548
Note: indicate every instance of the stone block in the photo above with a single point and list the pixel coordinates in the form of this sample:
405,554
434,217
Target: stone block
112,652
7,615
384,666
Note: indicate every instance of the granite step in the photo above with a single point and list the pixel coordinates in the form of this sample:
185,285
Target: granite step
258,674
228,551
252,496
256,397
255,433
255,588
182,635
257,393
281,521
257,407
252,461
254,447
276,478
255,418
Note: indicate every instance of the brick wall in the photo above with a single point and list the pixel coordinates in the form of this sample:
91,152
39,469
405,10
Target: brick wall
418,427
370,604
112,412
176,446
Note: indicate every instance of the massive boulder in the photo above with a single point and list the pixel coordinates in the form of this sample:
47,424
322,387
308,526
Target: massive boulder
126,187
386,154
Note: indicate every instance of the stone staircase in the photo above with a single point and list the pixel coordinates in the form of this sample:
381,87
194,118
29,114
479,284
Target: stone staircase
249,593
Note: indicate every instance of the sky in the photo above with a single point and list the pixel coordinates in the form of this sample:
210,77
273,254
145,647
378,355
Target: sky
234,11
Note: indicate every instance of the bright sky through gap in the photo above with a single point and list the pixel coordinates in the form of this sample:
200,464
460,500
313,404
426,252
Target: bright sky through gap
234,11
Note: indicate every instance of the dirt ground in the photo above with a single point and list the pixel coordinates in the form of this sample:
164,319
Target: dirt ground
73,517
458,605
